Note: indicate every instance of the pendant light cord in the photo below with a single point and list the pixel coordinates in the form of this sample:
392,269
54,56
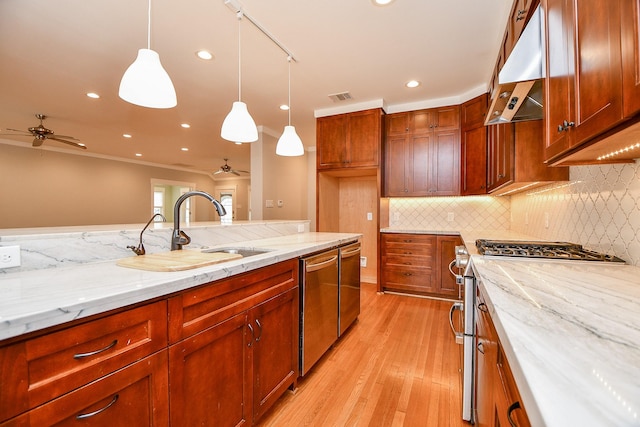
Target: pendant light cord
289,61
239,58
149,27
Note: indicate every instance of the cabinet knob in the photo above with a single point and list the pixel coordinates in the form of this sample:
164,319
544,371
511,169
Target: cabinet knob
565,126
522,13
500,176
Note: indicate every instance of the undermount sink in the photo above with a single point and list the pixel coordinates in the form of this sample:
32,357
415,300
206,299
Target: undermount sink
245,252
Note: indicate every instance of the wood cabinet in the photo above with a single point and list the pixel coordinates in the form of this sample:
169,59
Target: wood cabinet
134,396
473,146
498,402
422,153
235,349
418,263
43,368
630,42
516,158
351,140
221,354
584,88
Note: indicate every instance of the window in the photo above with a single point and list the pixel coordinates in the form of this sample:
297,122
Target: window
226,199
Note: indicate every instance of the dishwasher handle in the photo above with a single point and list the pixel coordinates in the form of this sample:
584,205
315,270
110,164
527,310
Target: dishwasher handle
459,335
349,252
322,264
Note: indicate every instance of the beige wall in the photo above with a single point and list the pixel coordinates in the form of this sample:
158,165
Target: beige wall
48,188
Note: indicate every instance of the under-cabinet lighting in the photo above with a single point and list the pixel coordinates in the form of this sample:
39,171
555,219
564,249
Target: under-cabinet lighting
126,135
518,189
138,155
185,125
93,95
184,149
620,151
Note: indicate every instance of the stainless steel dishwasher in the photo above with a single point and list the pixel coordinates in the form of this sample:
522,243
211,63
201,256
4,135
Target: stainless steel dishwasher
319,306
349,288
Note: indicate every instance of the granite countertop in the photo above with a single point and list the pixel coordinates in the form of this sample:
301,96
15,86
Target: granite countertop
571,333
34,300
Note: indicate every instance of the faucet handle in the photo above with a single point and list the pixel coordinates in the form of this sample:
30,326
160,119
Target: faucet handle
181,238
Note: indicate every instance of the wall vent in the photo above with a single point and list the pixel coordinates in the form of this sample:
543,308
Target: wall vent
342,96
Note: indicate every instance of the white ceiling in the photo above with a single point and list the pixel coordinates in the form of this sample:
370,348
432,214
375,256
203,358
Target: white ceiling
52,52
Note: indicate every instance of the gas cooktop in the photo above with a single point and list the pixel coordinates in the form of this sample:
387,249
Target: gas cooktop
547,250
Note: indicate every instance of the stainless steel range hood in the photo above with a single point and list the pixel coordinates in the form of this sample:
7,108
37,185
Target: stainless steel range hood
519,95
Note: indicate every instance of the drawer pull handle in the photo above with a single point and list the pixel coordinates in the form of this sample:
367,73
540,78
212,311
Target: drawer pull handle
94,413
259,326
93,353
481,347
513,407
483,307
408,274
252,335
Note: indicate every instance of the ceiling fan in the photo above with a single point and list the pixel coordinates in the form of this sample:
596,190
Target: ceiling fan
227,169
40,133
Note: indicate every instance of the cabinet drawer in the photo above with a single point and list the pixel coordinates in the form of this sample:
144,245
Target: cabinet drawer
136,395
408,239
509,404
56,363
410,279
407,261
198,309
403,244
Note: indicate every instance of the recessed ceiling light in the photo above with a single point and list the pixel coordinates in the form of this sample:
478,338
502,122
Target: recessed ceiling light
138,155
185,125
412,83
126,135
93,95
382,2
284,107
203,54
184,149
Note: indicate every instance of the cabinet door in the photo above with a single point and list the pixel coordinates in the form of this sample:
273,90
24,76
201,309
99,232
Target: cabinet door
631,56
395,171
210,379
487,383
364,138
397,124
598,76
473,174
501,151
275,349
418,167
331,141
446,118
558,87
133,396
445,254
445,163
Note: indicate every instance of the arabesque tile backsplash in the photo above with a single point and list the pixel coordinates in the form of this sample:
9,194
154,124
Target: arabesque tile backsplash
599,208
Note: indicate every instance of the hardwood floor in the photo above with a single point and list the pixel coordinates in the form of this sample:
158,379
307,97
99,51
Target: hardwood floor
398,365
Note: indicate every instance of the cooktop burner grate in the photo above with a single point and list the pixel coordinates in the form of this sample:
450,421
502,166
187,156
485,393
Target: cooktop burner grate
548,250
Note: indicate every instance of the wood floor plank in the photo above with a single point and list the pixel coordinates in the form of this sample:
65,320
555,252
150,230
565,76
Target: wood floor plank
398,365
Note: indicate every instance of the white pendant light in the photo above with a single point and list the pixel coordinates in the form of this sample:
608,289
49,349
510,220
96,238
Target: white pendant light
289,143
146,83
239,126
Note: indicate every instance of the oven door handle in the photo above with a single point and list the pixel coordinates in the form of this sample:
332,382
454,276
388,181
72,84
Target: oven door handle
451,264
458,306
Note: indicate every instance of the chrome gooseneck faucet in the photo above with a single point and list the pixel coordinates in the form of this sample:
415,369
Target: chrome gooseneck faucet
179,237
139,250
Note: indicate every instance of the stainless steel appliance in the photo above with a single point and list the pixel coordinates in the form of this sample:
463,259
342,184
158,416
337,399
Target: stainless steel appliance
465,336
349,286
546,250
318,306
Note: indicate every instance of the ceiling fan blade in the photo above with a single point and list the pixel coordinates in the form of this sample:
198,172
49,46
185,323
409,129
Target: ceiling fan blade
19,130
37,142
235,172
240,170
65,137
75,144
217,172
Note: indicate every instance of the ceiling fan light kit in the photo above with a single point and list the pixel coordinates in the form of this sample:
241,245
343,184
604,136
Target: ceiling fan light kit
289,143
145,82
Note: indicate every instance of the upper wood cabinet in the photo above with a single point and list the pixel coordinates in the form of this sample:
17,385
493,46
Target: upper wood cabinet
422,153
592,69
351,140
630,14
473,146
500,156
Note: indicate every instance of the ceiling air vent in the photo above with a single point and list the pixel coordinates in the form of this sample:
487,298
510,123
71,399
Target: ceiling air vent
343,96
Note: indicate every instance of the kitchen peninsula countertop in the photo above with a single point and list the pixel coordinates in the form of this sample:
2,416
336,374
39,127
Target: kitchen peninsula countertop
34,300
570,331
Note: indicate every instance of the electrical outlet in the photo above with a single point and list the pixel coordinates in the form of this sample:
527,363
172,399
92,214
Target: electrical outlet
450,216
9,256
546,220
369,216
300,228
280,203
268,203
363,261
